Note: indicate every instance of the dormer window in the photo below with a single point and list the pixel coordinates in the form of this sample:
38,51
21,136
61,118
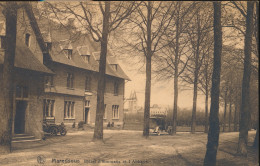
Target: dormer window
114,66
27,39
68,53
86,58
66,47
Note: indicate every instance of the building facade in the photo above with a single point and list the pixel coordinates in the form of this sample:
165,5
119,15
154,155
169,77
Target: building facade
28,80
62,88
71,94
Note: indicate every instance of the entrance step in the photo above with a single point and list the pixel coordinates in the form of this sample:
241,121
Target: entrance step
17,138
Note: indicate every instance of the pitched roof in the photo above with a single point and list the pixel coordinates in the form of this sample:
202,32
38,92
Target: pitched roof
25,59
59,38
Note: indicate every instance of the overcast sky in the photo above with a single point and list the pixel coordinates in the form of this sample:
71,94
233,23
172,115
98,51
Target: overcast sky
161,92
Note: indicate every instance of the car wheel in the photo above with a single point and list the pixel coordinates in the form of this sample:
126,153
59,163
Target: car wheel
53,131
63,132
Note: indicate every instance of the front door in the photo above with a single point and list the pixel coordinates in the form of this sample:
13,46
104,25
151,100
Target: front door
86,115
19,123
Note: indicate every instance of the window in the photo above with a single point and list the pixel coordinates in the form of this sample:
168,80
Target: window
27,39
48,108
115,112
105,112
69,110
86,58
116,88
69,80
114,66
87,103
21,91
68,53
88,83
49,80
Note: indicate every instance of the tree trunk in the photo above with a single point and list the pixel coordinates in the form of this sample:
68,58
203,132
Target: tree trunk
245,106
207,98
230,112
257,26
148,73
176,72
195,89
206,109
256,141
213,135
193,118
98,131
6,113
225,112
175,106
235,115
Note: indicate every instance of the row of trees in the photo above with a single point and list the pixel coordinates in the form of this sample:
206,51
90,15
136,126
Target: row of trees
176,41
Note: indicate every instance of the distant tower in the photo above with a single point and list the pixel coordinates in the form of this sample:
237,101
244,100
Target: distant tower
132,102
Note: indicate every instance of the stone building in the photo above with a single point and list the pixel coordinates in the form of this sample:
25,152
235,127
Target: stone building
28,80
63,87
71,94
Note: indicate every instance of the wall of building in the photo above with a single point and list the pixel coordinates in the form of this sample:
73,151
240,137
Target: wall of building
34,81
60,93
33,113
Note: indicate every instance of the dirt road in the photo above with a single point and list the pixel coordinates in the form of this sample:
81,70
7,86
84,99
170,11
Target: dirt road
127,148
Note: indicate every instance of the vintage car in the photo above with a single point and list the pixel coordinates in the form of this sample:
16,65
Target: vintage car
54,129
158,126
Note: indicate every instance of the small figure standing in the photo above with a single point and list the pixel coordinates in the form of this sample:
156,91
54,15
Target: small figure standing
108,125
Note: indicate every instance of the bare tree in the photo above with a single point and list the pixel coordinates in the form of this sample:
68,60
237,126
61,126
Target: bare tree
148,26
237,21
6,111
213,135
173,59
204,81
245,103
198,35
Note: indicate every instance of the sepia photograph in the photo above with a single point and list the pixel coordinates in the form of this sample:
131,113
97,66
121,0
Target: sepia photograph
131,83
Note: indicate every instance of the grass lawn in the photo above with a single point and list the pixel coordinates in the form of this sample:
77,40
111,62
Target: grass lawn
125,147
